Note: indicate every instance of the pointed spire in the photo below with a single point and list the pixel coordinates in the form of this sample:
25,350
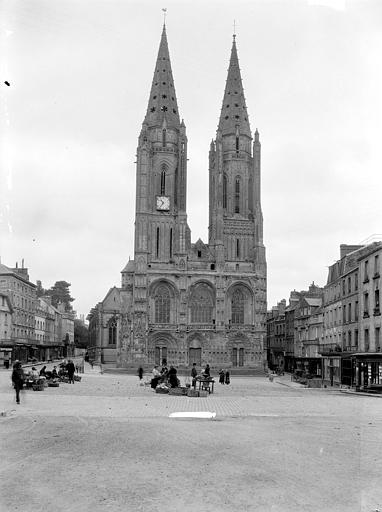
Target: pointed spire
162,102
234,110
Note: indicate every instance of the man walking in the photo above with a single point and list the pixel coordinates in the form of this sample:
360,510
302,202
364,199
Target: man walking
17,379
70,368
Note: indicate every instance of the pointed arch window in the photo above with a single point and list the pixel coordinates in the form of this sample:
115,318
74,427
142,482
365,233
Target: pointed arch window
112,328
164,132
163,182
237,195
225,191
237,307
201,305
162,305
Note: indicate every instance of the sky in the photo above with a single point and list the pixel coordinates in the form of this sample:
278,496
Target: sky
80,73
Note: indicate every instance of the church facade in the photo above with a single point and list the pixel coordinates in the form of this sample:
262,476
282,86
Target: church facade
181,301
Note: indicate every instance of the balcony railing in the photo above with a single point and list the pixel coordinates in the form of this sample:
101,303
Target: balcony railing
329,348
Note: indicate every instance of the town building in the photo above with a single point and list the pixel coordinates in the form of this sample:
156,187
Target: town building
276,336
6,312
186,302
65,329
294,332
15,284
351,343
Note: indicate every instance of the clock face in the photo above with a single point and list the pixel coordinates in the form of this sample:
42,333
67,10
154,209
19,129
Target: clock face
163,203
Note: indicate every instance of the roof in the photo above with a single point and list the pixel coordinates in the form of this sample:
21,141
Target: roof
313,301
5,270
129,267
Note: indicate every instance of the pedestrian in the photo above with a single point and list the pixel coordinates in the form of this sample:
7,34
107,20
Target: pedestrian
70,368
227,379
156,377
221,376
17,379
140,372
194,373
172,378
207,371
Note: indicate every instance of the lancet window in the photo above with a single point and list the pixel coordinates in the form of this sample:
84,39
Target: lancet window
225,191
201,305
237,307
162,305
112,326
237,195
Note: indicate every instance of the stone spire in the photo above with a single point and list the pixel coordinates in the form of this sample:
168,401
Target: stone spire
233,114
162,105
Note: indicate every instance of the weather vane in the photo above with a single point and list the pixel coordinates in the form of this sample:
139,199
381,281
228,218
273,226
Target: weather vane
164,9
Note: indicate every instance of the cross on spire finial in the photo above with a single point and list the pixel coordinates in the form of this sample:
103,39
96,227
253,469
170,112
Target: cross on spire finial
234,30
164,9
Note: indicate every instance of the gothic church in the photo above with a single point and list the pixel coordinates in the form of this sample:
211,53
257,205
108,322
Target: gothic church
181,301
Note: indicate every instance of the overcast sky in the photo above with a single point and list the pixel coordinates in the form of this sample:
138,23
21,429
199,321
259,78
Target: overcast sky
80,73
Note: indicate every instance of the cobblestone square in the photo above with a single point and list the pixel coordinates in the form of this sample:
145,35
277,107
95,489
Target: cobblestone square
107,443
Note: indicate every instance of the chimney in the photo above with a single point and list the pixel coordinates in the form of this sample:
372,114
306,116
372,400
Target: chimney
346,249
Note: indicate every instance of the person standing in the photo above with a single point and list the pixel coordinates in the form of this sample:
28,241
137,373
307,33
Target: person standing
17,379
140,372
227,379
194,373
221,376
70,368
207,371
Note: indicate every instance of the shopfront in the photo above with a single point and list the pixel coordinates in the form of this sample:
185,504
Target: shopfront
362,370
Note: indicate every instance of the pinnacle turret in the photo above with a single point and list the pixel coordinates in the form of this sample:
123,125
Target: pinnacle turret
233,114
162,102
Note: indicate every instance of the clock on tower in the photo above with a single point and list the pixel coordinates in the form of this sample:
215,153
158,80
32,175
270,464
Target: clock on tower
163,203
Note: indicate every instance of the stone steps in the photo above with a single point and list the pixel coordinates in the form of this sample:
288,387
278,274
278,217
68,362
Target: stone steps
133,370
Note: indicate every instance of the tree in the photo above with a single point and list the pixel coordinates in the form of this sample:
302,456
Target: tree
80,334
60,293
40,290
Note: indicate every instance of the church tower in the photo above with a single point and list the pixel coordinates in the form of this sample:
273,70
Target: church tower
161,231
235,216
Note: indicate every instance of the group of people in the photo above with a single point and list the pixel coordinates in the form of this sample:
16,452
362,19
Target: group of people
164,376
224,377
20,377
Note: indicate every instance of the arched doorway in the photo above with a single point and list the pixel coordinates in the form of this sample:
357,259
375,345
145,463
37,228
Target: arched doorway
195,352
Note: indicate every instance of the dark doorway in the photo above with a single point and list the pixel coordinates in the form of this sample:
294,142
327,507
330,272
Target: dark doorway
241,357
195,356
234,357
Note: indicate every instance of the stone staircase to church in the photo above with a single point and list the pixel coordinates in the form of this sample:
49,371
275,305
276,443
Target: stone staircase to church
237,371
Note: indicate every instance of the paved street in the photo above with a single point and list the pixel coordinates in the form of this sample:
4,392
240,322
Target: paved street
107,443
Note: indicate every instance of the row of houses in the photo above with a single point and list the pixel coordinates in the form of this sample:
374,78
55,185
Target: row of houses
333,333
31,328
